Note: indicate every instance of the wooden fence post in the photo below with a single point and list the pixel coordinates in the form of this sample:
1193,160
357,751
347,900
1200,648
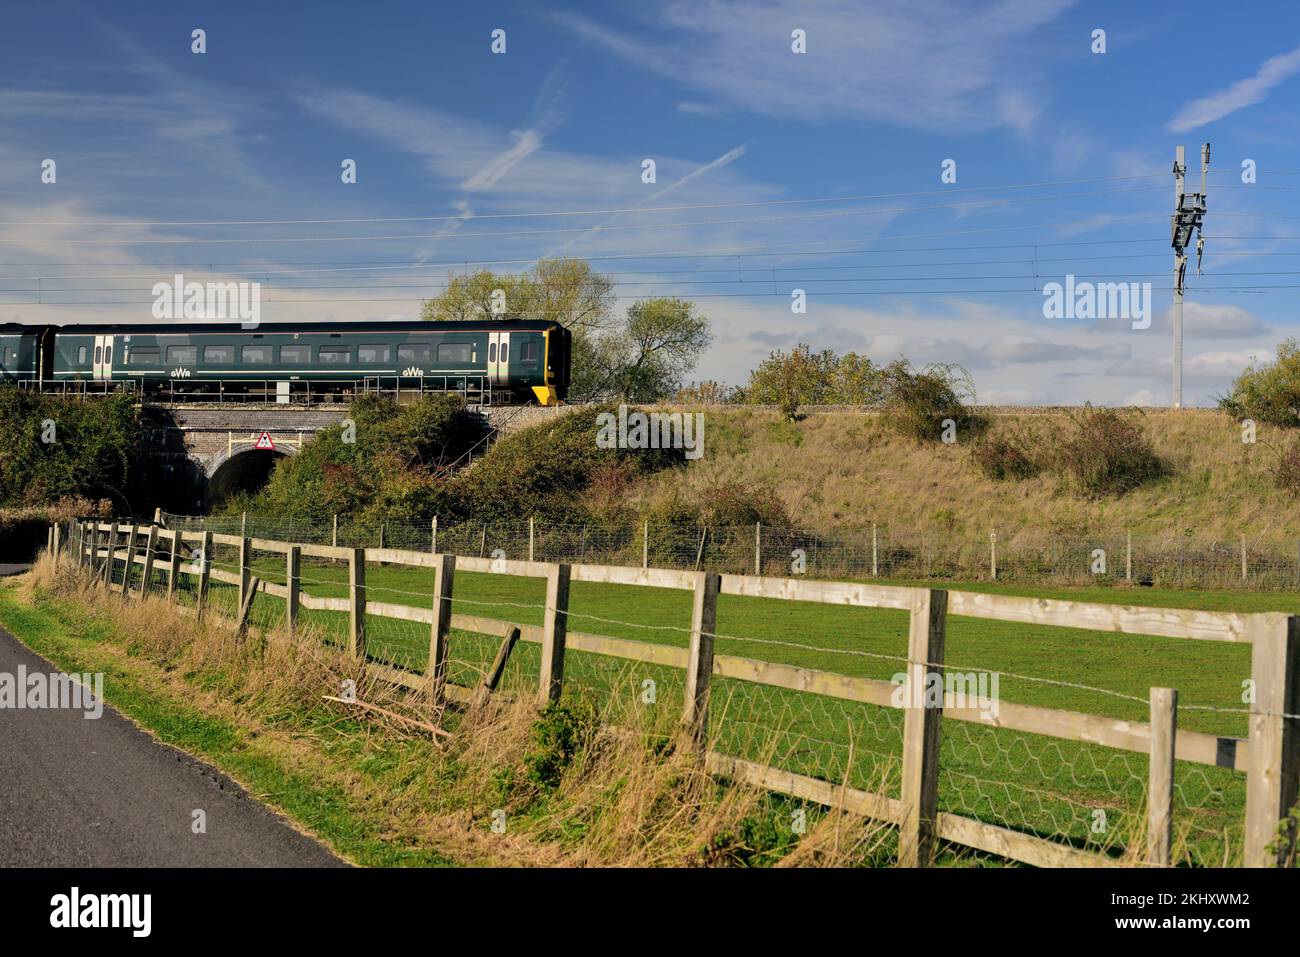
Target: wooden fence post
245,567
92,560
1128,554
1271,779
58,529
498,668
922,725
1243,556
151,542
246,608
434,546
293,586
108,561
444,580
482,542
174,566
699,668
875,553
357,598
645,544
553,635
530,538
334,536
1160,777
129,567
993,555
205,569
758,548
243,532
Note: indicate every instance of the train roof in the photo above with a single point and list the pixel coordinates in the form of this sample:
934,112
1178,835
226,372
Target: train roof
385,325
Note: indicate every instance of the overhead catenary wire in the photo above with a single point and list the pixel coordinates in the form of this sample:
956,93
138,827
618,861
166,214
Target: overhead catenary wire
444,237
463,217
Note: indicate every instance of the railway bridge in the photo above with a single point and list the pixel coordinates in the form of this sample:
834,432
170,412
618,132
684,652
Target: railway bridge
214,451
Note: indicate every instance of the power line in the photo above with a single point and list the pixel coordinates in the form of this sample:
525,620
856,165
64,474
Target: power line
745,295
436,283
424,237
590,212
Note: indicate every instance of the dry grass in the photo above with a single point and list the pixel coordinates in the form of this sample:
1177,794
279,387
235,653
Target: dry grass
843,469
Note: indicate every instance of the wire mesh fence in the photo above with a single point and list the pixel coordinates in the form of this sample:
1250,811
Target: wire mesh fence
1176,561
1077,794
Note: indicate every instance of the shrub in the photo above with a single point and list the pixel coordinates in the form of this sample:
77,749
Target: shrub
560,732
1106,452
1270,392
390,471
917,403
1004,456
546,470
1286,471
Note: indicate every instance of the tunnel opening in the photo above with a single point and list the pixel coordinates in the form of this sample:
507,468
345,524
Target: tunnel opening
246,472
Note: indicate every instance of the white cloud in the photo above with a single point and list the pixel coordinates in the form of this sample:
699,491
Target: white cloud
936,66
1238,96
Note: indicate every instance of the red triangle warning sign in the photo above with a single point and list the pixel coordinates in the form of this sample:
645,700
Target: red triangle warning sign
264,442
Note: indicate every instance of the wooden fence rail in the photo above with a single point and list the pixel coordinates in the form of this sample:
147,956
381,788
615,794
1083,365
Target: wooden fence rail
1269,756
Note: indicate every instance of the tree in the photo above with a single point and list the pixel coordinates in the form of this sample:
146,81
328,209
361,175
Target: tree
1269,392
792,379
643,358
567,291
646,359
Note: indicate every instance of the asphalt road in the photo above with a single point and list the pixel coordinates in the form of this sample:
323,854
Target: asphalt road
101,793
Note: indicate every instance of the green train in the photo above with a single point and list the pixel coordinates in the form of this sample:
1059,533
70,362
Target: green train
512,361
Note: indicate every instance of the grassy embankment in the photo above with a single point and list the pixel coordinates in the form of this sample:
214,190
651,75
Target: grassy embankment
845,469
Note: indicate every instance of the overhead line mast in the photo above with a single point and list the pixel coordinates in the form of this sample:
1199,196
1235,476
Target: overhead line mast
1188,217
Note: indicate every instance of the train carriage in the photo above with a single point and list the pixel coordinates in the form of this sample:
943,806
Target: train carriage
521,361
20,348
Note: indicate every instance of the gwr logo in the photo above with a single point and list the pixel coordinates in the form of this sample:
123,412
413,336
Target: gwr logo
180,373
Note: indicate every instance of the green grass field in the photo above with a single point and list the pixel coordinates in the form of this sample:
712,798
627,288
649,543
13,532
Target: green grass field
1084,795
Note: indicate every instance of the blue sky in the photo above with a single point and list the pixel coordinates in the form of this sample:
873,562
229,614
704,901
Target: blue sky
464,156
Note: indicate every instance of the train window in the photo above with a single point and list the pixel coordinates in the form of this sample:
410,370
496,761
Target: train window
528,351
142,357
10,357
182,355
492,352
295,355
453,352
258,355
505,352
224,354
413,352
108,355
81,355
99,354
334,356
373,353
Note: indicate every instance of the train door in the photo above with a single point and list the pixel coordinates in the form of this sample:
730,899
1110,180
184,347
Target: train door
498,358
103,358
